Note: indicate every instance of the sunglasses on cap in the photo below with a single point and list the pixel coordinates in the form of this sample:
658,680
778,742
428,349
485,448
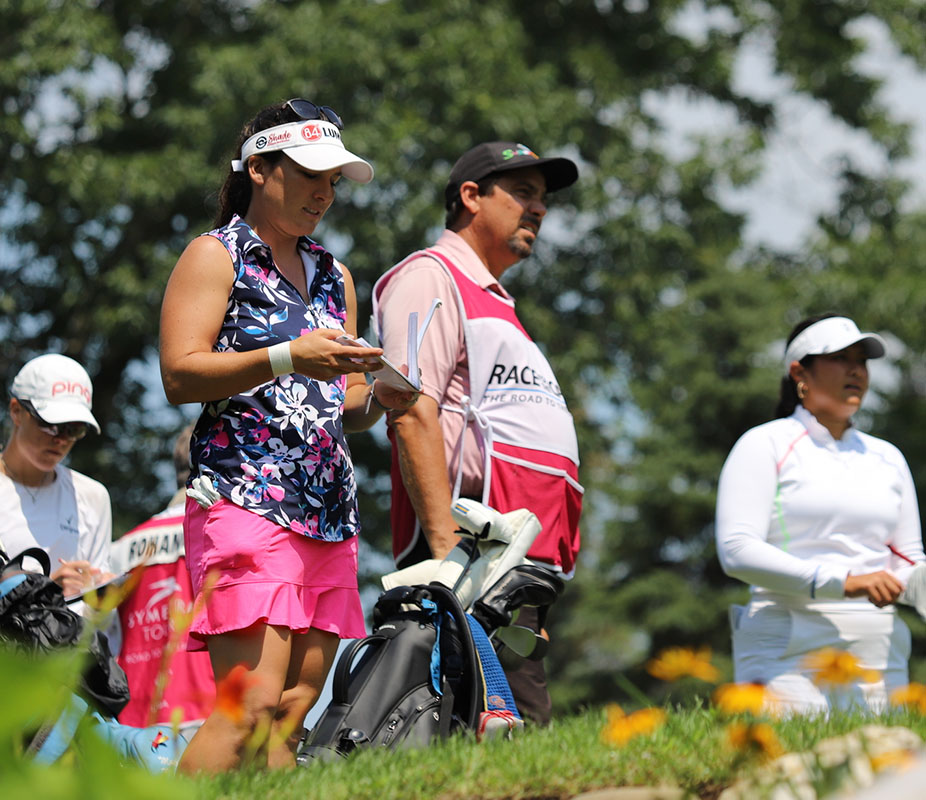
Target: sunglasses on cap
69,430
306,110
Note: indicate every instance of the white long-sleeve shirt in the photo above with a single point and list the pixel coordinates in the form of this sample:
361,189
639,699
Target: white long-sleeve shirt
798,511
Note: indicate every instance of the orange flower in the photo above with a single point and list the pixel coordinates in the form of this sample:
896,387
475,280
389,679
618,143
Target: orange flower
737,698
899,760
676,662
755,737
837,667
621,728
230,692
913,695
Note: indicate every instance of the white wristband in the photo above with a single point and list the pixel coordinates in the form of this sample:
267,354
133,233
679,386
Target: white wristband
281,359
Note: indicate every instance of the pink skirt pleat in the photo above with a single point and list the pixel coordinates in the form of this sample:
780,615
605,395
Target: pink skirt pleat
262,573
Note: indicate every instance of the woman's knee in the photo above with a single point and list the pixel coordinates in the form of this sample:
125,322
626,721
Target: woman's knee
297,701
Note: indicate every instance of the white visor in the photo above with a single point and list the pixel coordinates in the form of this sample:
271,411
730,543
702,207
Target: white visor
830,336
314,144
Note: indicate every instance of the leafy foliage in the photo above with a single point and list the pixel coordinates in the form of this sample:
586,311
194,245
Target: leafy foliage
37,692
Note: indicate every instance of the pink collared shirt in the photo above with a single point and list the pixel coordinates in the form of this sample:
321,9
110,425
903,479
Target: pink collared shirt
442,357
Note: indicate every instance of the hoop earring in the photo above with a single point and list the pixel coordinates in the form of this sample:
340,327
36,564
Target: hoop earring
801,390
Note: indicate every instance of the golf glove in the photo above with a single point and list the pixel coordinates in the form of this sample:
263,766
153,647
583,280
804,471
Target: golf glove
203,492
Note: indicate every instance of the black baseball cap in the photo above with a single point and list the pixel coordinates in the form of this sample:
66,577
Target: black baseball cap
490,157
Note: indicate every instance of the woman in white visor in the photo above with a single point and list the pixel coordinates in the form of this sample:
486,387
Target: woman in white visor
821,520
249,327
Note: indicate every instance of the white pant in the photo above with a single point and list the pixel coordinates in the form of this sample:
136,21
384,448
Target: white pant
772,639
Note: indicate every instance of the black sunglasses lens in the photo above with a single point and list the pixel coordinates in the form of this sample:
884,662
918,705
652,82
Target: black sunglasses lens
73,430
332,116
69,430
306,110
303,108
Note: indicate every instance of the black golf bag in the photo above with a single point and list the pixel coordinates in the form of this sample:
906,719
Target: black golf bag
35,618
415,678
427,670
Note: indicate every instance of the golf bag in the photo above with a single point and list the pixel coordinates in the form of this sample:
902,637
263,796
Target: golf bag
429,668
35,619
416,678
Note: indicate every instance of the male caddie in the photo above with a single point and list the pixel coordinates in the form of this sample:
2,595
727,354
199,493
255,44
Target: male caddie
491,422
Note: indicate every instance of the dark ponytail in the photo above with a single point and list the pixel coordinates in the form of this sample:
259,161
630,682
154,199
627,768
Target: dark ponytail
788,399
235,194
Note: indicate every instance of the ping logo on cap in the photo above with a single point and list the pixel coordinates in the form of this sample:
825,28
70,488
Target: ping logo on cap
71,387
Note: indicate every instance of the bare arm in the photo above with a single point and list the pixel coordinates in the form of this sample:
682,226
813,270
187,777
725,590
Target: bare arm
191,318
424,472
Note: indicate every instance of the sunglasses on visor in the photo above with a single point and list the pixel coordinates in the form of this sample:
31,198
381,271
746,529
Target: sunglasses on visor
69,430
306,110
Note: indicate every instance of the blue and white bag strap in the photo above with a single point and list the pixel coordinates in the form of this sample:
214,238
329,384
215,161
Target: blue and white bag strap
498,696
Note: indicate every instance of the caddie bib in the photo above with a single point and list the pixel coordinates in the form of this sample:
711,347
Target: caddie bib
516,407
150,642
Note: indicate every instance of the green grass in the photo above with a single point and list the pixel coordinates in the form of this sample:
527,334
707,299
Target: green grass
554,763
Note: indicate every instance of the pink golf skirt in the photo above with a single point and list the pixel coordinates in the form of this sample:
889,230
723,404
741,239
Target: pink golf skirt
265,573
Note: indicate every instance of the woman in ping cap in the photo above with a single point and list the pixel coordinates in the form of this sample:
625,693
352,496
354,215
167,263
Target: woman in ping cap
821,520
43,503
249,327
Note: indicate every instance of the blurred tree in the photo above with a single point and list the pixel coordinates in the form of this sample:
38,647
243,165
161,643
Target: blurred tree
661,323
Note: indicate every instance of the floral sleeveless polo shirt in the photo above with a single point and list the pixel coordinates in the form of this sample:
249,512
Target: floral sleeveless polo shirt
279,449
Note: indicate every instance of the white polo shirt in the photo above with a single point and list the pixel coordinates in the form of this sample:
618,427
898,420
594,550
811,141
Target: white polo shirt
798,511
70,519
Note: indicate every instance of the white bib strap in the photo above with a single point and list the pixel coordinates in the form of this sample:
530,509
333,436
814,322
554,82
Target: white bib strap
471,414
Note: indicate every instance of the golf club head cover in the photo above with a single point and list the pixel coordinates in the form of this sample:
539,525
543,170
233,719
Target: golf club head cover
523,585
477,519
422,572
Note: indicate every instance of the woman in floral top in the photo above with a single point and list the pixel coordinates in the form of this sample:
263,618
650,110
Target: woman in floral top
249,328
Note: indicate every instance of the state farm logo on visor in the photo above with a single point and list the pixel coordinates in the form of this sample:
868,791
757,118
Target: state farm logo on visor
316,131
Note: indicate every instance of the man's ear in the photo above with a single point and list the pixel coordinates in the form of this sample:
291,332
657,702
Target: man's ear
469,196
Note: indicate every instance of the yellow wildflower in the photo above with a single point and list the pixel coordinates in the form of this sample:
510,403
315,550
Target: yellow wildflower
897,760
621,728
677,662
737,698
755,737
836,667
913,695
